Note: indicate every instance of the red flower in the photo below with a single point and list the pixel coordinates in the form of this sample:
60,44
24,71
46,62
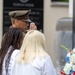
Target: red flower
62,73
74,73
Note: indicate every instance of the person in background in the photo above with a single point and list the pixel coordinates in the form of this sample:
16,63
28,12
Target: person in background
20,19
32,59
13,40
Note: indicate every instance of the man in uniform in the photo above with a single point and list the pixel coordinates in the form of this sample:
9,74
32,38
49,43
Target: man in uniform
20,19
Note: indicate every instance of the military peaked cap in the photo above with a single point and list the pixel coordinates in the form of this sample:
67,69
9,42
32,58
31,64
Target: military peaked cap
21,15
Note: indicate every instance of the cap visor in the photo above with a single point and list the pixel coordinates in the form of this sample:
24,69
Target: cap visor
28,20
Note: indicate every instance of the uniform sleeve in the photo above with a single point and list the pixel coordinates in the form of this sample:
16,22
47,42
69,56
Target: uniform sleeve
48,68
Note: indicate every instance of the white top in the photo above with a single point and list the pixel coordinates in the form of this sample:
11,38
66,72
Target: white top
10,63
38,66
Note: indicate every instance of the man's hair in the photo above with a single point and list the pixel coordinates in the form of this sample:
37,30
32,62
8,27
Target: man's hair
13,37
13,20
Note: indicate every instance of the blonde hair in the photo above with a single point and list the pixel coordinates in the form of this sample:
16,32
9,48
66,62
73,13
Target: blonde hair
33,46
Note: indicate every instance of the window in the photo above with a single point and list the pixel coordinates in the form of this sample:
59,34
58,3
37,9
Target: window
60,2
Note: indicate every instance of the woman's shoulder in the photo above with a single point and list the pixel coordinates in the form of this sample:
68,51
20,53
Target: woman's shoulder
42,59
15,53
48,58
39,62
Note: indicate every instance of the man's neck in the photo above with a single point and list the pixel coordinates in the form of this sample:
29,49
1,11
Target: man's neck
14,26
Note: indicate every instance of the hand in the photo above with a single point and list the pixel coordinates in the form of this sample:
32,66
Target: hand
32,26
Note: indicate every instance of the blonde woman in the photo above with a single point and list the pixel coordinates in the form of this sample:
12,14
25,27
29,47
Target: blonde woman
32,58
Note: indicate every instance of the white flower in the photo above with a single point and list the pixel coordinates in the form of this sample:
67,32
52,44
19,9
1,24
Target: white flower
72,58
67,68
68,54
73,66
74,50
